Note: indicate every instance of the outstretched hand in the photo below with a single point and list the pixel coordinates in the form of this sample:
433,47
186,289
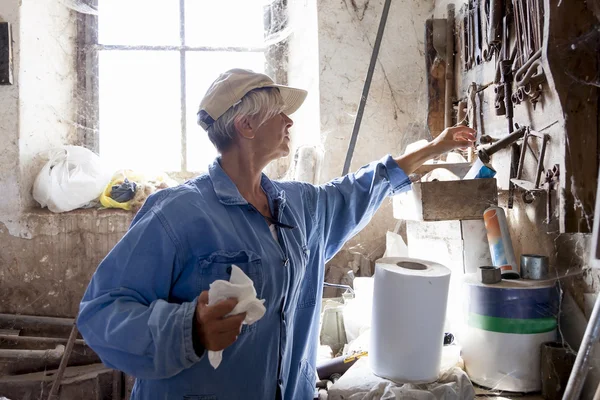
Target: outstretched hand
454,138
450,139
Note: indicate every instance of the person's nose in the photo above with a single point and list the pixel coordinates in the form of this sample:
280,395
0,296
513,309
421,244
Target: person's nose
288,121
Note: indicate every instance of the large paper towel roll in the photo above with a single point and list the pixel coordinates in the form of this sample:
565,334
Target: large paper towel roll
407,328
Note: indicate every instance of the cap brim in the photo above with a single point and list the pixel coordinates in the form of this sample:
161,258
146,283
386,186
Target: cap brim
292,98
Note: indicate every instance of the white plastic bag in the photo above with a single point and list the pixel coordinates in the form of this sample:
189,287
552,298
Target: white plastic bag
73,177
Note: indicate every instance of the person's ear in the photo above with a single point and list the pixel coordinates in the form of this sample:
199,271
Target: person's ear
244,127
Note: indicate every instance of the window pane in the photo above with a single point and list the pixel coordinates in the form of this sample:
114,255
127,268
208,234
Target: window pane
201,70
224,23
138,22
140,109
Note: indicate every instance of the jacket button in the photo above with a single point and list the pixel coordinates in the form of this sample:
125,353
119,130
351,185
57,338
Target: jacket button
286,262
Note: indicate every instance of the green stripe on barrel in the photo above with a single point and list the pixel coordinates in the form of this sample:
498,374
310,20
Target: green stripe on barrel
510,325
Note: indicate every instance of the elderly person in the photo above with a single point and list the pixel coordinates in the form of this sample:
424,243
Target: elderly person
145,311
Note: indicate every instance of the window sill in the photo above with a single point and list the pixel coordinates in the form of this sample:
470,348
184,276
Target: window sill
99,212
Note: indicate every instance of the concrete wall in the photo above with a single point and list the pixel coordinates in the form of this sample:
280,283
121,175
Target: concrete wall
395,114
46,260
47,272
9,119
47,85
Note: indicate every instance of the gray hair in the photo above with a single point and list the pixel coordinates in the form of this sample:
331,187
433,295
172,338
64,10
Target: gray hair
262,103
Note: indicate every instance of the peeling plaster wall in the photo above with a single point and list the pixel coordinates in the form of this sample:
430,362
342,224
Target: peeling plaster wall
395,114
46,260
47,85
9,119
48,273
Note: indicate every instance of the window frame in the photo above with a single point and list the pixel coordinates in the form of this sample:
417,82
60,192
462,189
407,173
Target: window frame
88,50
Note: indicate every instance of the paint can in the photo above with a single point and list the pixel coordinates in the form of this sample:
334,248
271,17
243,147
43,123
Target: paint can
534,266
501,248
506,324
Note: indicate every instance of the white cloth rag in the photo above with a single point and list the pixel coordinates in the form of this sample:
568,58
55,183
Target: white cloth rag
241,288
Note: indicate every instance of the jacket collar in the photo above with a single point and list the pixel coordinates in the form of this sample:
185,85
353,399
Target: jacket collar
228,193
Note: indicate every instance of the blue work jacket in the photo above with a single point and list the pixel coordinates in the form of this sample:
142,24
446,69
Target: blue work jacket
137,312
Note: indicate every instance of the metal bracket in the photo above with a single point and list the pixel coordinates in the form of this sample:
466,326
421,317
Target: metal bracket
531,188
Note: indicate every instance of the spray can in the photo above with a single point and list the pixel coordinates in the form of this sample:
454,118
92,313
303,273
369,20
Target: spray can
501,248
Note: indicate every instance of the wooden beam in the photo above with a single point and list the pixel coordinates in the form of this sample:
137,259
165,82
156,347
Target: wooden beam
435,70
570,50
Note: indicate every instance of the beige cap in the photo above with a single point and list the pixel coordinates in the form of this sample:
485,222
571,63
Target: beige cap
231,86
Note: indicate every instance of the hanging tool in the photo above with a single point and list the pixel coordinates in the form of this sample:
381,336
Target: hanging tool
477,32
466,37
484,17
449,67
552,177
529,79
470,36
367,86
506,77
529,69
531,187
485,154
495,24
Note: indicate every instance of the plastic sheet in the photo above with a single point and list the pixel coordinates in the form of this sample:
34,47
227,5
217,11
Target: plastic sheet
72,178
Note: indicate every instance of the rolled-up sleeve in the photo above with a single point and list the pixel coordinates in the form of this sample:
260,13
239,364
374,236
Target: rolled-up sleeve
125,316
344,206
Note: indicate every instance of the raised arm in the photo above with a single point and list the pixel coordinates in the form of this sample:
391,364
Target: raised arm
342,207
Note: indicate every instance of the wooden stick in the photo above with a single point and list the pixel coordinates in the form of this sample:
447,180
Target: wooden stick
63,364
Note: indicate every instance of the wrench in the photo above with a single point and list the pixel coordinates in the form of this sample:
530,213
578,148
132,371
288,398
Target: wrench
552,177
494,27
477,32
465,40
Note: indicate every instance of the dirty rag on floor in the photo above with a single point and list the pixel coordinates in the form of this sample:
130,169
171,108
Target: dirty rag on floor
359,383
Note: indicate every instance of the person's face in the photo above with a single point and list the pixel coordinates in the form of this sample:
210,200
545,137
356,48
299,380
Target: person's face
273,137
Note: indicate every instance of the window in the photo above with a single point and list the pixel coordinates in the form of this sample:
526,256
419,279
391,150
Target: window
149,62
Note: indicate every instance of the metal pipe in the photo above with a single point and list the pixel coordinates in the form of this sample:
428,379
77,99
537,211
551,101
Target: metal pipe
522,157
495,31
42,354
540,165
367,86
34,319
486,154
449,67
582,362
38,340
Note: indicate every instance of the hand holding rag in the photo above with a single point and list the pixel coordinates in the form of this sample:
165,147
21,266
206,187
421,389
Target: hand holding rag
241,288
